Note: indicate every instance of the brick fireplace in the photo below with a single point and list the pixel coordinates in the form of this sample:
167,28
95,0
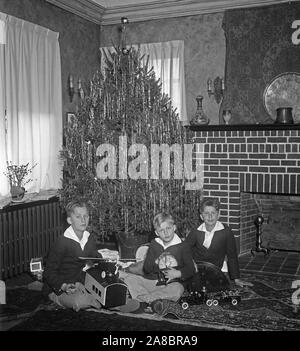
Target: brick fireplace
240,161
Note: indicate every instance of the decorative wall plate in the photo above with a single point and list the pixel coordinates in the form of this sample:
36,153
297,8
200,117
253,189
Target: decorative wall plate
283,91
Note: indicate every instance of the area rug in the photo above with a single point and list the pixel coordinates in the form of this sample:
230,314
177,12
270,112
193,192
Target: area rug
267,306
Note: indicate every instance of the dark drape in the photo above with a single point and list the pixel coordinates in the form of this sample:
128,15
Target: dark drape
258,48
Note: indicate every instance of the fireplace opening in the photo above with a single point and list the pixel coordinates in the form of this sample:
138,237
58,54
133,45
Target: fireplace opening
281,221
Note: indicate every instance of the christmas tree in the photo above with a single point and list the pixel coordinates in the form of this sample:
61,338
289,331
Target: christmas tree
108,149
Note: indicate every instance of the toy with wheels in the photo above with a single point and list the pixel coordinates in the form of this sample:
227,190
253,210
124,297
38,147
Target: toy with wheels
210,298
209,276
209,286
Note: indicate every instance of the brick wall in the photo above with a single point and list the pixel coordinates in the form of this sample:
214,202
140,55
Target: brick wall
244,160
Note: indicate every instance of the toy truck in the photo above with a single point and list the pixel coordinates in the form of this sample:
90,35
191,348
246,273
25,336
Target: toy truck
209,298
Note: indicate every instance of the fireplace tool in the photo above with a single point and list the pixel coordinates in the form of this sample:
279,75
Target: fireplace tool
258,248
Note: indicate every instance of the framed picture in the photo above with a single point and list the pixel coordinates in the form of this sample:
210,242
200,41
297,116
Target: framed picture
70,117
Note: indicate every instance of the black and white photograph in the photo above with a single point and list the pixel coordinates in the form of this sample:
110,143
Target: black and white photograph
149,170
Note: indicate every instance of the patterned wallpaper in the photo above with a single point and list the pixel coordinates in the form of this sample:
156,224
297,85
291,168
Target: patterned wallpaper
204,45
259,47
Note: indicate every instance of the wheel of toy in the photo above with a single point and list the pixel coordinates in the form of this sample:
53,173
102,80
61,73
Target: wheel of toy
209,303
185,305
103,274
234,302
215,302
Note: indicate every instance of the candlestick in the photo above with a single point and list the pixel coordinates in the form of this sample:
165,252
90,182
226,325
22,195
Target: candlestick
71,85
209,85
227,116
80,90
216,87
71,88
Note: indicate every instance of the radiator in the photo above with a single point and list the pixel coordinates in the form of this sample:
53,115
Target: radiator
26,231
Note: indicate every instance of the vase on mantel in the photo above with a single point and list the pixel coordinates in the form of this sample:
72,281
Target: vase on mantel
226,116
200,117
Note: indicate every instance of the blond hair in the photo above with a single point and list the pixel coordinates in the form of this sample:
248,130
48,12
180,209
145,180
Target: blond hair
162,217
73,204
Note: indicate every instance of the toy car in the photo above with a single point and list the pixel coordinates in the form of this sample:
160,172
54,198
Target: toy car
210,298
209,286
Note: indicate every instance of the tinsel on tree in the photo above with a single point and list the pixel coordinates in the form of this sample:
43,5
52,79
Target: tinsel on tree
125,100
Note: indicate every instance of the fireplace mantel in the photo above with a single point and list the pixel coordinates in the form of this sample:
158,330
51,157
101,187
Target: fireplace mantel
224,127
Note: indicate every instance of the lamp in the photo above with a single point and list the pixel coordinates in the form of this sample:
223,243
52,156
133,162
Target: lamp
216,87
124,21
71,88
80,91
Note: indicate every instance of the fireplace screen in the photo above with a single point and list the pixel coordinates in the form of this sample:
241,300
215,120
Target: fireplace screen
281,228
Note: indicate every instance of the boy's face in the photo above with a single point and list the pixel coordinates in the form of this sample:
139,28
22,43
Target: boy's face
210,215
166,231
79,219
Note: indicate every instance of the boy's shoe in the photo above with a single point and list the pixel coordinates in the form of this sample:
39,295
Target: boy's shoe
148,308
144,308
168,308
160,306
50,306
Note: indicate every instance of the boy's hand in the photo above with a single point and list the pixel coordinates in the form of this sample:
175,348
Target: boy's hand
171,274
69,288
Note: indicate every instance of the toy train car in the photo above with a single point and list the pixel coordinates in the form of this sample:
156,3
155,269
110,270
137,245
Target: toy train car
210,298
105,286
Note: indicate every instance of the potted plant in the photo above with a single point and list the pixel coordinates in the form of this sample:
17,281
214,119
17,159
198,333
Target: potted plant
124,107
17,175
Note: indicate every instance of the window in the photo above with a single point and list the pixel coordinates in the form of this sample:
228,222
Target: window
167,59
30,102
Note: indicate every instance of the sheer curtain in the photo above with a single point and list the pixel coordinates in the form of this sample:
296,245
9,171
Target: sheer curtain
3,151
167,59
33,103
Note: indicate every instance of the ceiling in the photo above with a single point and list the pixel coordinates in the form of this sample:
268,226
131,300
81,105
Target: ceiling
107,12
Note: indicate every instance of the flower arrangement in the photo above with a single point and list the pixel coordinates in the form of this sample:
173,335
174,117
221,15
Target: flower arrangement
17,174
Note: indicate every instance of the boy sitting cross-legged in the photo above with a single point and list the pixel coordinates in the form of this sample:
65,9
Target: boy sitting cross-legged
64,274
167,245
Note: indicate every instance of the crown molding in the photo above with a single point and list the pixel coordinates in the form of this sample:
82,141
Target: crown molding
169,9
87,9
155,9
